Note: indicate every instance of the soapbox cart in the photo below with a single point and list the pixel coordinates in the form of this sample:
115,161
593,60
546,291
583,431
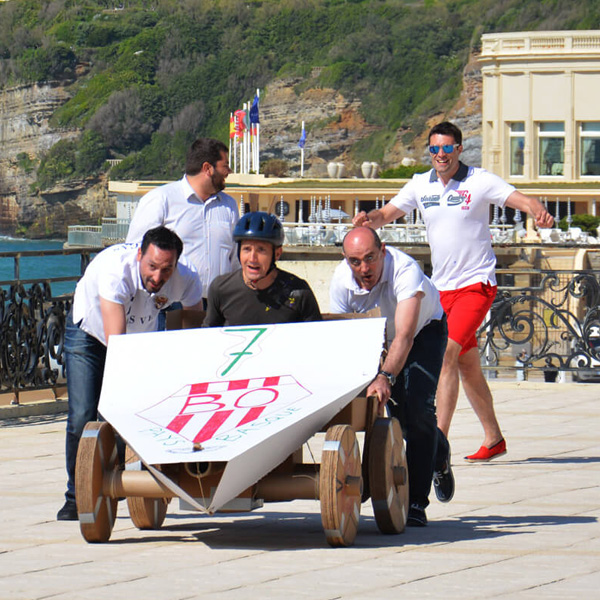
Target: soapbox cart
343,479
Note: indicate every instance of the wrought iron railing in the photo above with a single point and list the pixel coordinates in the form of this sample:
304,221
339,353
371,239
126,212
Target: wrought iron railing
552,326
547,327
32,324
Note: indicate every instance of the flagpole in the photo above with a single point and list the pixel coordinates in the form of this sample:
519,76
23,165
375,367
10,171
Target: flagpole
243,157
230,120
247,132
249,141
302,156
257,165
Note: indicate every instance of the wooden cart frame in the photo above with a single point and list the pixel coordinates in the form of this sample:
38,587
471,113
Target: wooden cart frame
341,482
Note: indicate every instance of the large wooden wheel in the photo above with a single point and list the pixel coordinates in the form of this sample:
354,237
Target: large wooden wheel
340,485
388,476
146,513
97,454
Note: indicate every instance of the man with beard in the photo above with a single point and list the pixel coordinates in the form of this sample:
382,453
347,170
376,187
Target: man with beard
122,291
197,209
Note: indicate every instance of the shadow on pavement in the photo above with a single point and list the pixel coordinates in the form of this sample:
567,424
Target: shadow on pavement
557,460
295,531
33,420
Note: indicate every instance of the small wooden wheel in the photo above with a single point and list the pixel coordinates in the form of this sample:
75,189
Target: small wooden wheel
388,476
340,485
96,455
146,513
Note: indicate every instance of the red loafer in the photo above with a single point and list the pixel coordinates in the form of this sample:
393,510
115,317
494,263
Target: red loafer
484,453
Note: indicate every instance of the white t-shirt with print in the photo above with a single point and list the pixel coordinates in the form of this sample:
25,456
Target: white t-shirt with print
114,275
457,220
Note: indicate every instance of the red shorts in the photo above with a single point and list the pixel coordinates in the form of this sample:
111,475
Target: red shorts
466,308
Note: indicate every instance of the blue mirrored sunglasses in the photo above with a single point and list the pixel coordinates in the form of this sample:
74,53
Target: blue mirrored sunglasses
447,148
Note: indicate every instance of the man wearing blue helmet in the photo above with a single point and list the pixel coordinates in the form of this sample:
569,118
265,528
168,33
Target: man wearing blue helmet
259,293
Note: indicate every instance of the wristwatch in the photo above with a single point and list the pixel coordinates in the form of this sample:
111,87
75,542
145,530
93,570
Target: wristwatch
391,378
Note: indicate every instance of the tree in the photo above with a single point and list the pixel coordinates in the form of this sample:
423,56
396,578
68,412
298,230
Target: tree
91,154
57,164
121,121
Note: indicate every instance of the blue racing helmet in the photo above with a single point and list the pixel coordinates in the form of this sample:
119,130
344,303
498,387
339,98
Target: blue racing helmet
259,226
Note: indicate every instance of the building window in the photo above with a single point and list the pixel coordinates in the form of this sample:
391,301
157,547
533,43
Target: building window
552,148
589,134
517,146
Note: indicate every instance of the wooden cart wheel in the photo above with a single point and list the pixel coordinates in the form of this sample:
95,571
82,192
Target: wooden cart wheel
146,513
340,485
96,455
388,476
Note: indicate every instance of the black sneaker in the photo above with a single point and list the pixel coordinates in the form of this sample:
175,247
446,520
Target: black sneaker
416,516
443,482
68,512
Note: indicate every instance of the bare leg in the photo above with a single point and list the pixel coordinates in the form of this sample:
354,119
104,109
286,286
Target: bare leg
479,395
447,390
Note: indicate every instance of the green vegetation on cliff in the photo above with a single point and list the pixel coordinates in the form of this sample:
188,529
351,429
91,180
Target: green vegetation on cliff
148,76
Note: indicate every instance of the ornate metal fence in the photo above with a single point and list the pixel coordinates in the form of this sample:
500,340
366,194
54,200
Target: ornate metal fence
551,326
32,325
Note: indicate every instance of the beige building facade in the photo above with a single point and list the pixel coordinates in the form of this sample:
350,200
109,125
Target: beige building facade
540,114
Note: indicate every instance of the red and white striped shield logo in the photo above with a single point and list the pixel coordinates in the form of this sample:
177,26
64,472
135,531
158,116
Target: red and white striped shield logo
200,411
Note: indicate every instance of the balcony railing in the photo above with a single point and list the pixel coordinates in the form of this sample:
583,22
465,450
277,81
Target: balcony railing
112,231
549,327
540,43
32,324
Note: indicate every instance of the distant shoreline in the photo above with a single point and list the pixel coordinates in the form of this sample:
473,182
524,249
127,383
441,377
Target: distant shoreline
8,238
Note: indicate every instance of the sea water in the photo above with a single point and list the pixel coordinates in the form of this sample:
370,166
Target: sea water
40,267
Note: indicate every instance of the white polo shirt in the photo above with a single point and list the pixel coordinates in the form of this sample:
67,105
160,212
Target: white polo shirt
401,279
457,220
114,275
205,228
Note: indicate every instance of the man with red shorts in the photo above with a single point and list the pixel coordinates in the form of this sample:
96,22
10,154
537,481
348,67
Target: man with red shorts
454,201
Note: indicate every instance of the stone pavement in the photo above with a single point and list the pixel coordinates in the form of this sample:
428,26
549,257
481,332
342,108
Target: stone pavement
524,525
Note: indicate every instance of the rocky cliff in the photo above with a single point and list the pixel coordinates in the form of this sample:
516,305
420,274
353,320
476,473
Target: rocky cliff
25,133
334,125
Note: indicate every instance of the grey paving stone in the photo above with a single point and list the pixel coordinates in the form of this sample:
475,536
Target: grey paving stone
524,525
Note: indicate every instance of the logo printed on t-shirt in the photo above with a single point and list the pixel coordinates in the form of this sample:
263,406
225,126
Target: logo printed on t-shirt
454,199
467,196
160,301
429,201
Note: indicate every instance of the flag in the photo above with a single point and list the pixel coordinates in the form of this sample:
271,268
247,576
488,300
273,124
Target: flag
254,111
302,138
231,127
240,125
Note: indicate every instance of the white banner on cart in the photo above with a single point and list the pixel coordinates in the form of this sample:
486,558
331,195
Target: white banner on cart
248,395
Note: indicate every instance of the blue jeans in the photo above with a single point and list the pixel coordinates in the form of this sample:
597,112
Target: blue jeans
85,358
414,394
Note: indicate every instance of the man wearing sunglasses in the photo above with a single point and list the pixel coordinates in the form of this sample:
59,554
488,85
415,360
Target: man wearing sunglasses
454,201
